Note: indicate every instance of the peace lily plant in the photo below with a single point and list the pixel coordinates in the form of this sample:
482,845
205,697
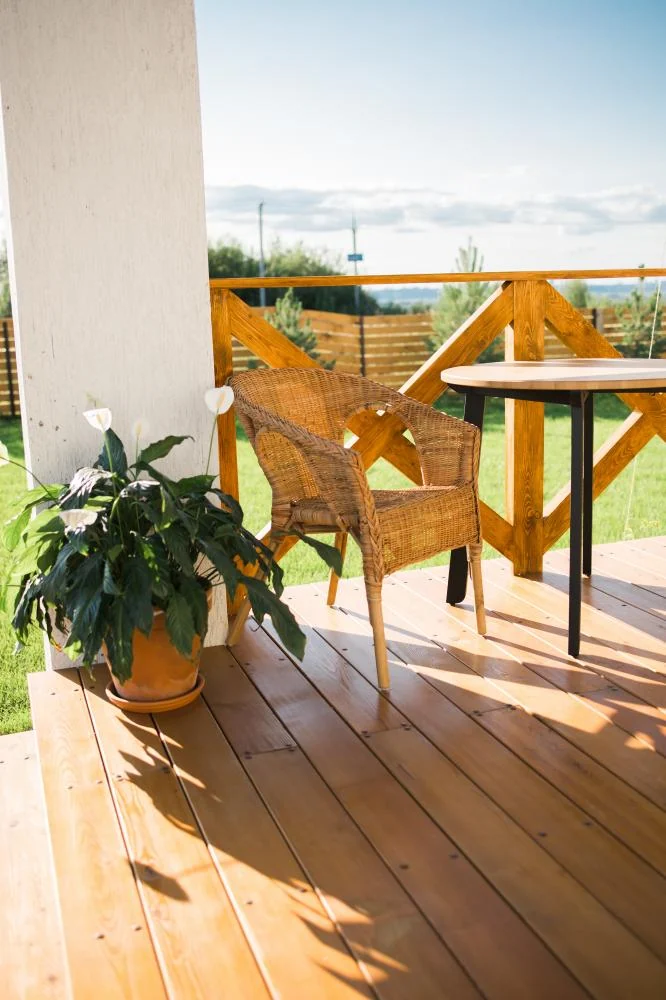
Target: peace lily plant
122,543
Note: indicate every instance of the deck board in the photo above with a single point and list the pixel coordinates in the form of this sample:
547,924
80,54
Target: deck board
32,958
495,826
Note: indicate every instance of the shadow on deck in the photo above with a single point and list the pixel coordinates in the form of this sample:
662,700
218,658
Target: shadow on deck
494,827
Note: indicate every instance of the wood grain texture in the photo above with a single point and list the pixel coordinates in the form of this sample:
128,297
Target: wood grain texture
32,954
425,641
109,951
341,280
224,368
524,433
299,947
191,918
381,924
596,859
478,926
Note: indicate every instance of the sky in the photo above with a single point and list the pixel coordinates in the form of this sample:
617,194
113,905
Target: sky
536,129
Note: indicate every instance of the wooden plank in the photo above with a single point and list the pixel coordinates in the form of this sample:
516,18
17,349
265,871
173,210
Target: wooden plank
612,873
643,566
455,277
224,369
524,434
298,945
614,455
612,803
109,950
638,586
399,950
426,385
476,923
507,665
192,921
32,962
585,341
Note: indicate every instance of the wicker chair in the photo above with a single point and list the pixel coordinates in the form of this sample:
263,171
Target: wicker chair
295,419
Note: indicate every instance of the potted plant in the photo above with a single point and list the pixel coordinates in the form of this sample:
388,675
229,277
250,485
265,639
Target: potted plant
123,559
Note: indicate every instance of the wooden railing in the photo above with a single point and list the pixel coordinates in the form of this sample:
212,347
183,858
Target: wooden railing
526,305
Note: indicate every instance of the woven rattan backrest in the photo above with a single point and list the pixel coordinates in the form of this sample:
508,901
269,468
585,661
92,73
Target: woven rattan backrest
321,401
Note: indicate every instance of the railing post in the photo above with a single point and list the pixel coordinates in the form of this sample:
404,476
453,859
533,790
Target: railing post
224,368
524,433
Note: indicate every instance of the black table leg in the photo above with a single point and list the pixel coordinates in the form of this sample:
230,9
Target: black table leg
588,472
575,534
457,585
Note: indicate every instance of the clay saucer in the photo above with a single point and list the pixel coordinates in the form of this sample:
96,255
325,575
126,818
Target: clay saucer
162,705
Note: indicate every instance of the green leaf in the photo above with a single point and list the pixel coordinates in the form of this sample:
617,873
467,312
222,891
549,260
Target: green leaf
118,638
180,624
159,449
112,457
81,487
193,484
195,595
264,602
109,585
177,541
328,553
138,584
222,563
155,555
15,528
54,583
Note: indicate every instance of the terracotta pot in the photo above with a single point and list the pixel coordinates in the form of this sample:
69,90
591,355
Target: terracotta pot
159,671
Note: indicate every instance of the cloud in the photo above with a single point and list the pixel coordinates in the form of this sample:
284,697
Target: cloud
418,210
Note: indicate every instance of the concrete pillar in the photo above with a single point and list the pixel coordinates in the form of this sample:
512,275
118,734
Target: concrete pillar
104,204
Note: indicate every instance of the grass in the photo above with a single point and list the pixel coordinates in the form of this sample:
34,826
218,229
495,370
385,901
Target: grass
647,516
612,521
14,709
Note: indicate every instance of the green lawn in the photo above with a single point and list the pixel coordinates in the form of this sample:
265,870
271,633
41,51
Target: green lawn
647,514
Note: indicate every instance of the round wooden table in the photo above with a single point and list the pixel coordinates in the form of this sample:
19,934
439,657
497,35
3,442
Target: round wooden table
573,382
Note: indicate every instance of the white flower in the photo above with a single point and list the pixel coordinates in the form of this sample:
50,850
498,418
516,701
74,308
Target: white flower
219,400
140,429
77,518
100,419
4,454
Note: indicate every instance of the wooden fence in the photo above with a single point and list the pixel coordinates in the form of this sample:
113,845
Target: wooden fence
9,391
527,306
392,347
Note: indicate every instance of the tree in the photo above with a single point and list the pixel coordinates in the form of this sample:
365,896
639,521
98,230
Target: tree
638,315
578,293
5,300
458,302
230,260
288,319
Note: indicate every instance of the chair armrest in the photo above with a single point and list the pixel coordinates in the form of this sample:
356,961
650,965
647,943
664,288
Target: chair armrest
448,448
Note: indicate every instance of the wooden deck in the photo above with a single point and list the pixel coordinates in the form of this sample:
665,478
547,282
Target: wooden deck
495,827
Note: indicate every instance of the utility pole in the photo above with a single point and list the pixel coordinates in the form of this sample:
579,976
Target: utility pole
262,264
356,257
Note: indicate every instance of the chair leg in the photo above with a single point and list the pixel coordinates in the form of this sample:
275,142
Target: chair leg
341,546
236,626
474,557
241,616
374,594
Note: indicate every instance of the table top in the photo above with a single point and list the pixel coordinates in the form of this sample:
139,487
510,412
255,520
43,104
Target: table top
570,374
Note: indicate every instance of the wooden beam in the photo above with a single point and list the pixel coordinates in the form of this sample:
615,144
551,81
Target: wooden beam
224,369
525,432
609,461
496,531
344,280
584,340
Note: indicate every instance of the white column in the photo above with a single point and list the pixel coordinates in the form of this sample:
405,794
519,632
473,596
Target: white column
104,210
